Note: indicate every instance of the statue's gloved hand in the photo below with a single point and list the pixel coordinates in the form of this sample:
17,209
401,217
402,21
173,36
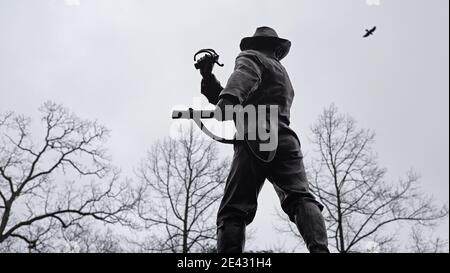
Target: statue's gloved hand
210,86
206,65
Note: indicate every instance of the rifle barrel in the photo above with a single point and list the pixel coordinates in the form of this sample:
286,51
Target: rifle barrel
191,113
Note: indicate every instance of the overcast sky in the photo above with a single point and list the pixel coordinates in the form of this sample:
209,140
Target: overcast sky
127,63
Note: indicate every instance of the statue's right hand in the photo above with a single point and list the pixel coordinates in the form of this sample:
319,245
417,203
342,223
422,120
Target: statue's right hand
206,64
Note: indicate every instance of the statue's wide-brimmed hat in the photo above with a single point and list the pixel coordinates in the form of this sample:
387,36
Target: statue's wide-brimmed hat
266,36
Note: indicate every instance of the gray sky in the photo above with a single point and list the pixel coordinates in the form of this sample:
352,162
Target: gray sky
127,63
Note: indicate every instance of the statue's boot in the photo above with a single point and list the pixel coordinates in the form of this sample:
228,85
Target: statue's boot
311,225
231,237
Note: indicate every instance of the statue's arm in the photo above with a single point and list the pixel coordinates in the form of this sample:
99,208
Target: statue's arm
244,80
211,88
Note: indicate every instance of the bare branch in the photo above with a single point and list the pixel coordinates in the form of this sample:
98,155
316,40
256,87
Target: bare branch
185,179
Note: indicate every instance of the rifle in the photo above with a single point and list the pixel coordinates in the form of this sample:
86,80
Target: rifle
197,116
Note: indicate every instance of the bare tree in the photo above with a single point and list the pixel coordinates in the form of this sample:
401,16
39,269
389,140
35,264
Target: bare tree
421,243
185,178
359,203
55,177
85,236
88,237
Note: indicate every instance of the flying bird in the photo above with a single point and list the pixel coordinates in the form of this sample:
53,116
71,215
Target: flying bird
369,32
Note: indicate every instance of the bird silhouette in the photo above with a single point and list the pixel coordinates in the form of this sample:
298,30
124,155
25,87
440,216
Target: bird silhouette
369,32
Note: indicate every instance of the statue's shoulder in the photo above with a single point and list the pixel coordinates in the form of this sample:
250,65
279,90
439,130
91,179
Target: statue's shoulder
253,55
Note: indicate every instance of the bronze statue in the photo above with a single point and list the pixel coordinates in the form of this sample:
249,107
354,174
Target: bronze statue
259,79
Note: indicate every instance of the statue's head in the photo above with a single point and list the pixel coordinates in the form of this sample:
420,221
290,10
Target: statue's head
266,40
